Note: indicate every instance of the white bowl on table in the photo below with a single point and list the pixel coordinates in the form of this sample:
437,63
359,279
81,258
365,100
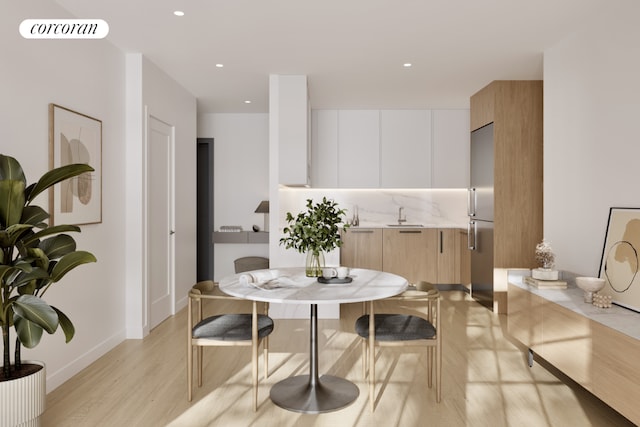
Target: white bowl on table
589,285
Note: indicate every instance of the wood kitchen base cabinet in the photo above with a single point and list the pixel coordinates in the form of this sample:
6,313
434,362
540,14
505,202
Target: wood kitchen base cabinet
411,253
436,255
361,248
600,358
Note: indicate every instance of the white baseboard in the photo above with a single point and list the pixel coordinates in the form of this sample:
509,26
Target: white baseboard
57,378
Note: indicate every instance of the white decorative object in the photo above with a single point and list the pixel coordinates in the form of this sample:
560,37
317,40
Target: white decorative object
546,259
589,285
601,301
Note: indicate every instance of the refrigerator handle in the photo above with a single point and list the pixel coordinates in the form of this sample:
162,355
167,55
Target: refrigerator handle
472,199
471,231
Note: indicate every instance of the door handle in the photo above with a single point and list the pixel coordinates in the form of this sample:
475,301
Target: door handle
471,231
171,233
441,242
472,199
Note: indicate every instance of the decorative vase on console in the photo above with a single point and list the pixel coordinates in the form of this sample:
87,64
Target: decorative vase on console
546,261
314,232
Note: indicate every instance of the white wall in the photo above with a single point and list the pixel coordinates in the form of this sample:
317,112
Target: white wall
241,179
151,92
90,76
591,112
86,76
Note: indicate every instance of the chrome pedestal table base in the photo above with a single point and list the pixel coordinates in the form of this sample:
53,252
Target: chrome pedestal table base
312,394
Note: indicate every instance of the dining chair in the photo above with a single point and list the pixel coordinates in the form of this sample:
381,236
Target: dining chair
249,263
249,330
420,329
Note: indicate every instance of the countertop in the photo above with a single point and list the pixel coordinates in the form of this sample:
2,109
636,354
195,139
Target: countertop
404,227
621,319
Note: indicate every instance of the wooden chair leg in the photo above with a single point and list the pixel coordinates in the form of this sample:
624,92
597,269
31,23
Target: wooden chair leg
199,367
430,366
364,345
266,357
439,372
189,370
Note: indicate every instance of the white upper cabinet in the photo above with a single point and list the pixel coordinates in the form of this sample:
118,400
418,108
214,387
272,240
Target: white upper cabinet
324,148
358,148
405,148
451,133
289,117
390,148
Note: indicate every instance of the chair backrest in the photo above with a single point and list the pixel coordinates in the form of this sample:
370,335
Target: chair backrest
423,293
250,263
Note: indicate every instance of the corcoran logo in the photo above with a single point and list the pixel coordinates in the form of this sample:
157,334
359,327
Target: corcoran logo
64,29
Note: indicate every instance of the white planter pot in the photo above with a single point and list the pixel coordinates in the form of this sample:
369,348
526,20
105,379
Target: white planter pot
22,401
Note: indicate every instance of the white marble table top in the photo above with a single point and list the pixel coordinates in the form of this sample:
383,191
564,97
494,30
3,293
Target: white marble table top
290,285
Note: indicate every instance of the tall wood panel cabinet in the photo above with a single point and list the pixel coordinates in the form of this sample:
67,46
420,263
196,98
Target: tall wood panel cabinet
515,109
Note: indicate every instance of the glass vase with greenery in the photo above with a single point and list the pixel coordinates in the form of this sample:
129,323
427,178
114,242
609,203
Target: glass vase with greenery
314,232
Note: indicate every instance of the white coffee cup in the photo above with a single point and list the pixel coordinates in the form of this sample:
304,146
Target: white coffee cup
329,272
342,272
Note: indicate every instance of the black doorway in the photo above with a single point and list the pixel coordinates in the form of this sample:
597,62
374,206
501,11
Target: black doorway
204,227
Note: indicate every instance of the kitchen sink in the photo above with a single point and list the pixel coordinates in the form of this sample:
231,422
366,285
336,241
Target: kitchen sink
405,225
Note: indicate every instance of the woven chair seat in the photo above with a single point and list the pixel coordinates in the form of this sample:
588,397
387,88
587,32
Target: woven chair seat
396,327
232,327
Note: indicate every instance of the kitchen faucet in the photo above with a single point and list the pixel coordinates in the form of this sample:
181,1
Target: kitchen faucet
401,218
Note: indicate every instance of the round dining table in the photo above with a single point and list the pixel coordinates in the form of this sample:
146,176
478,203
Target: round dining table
312,393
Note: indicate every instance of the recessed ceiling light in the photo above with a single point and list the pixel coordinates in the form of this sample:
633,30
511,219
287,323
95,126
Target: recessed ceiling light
247,102
407,65
219,65
178,13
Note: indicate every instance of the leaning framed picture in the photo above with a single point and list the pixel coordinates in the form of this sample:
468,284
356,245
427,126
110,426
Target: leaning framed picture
75,138
619,263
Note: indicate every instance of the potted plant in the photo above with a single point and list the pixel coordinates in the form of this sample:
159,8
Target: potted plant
314,232
33,257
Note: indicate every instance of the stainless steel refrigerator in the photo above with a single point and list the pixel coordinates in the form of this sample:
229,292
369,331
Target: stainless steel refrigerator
480,209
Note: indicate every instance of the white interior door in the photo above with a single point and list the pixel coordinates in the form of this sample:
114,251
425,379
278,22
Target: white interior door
160,221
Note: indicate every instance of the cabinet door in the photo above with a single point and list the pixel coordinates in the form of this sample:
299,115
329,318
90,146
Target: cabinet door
361,248
359,149
450,166
411,253
405,138
448,256
324,148
290,116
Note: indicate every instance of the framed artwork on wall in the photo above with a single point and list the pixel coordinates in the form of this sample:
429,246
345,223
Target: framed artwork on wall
75,138
619,263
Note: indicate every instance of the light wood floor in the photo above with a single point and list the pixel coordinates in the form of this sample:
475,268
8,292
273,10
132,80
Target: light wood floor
486,381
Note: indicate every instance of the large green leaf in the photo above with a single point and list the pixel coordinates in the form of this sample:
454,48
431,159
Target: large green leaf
29,333
54,176
69,262
12,234
10,169
57,246
26,277
66,325
11,202
37,311
56,229
33,215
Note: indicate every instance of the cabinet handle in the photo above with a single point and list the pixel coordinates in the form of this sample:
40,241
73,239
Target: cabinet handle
362,231
471,201
441,243
410,231
472,246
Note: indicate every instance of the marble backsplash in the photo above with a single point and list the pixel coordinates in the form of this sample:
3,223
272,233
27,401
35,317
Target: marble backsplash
379,207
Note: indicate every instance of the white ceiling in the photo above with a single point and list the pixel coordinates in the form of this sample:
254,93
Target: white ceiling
352,51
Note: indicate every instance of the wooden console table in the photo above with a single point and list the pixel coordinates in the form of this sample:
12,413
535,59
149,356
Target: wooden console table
596,347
